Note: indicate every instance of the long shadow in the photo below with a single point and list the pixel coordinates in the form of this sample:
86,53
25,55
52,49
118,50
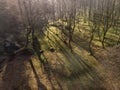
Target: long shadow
63,50
73,76
48,71
66,54
87,68
39,84
50,74
78,63
77,40
45,65
87,71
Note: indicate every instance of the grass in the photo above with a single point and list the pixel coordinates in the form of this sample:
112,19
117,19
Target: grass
70,68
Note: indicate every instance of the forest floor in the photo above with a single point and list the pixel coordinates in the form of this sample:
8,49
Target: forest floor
24,73
65,70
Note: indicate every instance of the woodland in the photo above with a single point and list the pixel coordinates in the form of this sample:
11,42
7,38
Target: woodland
59,44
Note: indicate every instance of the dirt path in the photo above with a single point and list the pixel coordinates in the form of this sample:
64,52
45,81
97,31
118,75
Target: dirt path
25,73
18,75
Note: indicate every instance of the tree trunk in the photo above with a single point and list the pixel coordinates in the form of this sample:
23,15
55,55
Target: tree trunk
90,43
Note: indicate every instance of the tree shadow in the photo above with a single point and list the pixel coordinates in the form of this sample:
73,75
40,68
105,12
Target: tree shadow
43,63
51,75
39,84
87,71
87,68
72,57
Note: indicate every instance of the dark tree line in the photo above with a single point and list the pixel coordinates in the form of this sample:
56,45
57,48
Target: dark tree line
36,16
